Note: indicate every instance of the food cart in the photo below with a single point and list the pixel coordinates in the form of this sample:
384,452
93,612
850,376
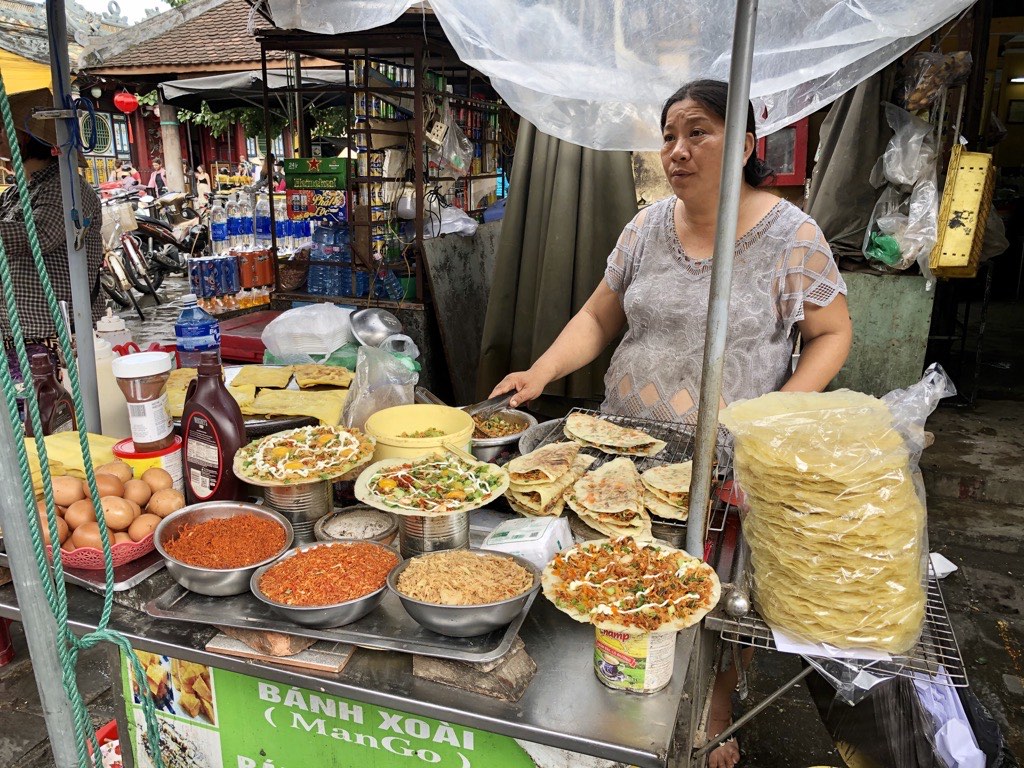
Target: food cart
375,709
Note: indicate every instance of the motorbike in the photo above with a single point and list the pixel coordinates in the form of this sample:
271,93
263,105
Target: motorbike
171,231
124,266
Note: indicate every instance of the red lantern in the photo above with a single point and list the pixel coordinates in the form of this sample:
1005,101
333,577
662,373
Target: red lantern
127,103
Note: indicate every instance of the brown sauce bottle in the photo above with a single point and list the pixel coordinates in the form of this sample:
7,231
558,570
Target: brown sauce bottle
56,408
212,431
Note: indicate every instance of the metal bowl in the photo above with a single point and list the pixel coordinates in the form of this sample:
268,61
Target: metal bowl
465,620
386,537
372,325
217,582
489,448
321,616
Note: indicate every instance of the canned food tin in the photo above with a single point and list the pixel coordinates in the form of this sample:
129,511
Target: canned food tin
636,662
378,213
362,162
376,194
302,504
378,247
417,534
167,459
376,162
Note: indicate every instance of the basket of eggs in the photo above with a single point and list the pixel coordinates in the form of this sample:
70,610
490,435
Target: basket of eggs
132,508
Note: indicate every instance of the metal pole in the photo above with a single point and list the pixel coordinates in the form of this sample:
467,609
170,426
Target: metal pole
78,265
305,150
40,626
721,273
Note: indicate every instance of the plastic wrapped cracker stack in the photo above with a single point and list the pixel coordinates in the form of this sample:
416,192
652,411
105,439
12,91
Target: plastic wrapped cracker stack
834,518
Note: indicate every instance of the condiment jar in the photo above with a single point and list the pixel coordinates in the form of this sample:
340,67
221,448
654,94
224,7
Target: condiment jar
142,378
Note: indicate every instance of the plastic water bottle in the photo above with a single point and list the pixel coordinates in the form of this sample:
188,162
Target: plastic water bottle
219,228
393,287
319,282
343,253
196,331
263,222
245,228
281,224
234,223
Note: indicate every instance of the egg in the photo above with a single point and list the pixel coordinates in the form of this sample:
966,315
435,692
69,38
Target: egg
136,509
117,513
68,490
107,485
78,513
68,545
87,535
157,479
62,530
165,502
121,537
143,526
118,469
138,491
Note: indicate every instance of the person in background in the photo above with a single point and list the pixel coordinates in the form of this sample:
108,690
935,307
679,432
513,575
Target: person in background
656,288
158,179
244,166
279,182
124,172
204,187
43,169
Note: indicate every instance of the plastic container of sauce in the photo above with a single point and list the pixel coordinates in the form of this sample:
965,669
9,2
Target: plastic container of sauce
167,459
142,378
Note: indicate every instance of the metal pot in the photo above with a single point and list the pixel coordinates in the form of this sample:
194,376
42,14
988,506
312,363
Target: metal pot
489,448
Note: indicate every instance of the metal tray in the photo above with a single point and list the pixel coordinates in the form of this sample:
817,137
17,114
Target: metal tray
387,628
125,576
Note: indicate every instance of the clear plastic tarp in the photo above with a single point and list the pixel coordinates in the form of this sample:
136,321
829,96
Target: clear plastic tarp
596,72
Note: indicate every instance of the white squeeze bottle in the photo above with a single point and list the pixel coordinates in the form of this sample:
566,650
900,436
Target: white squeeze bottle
113,406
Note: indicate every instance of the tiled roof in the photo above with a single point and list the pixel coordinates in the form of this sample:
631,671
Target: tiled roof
216,35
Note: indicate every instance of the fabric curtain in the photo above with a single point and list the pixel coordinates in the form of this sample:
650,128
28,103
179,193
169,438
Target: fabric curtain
852,138
565,210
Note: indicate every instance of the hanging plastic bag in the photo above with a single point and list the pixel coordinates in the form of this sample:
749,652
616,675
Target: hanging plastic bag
456,152
382,380
926,75
452,221
910,153
400,344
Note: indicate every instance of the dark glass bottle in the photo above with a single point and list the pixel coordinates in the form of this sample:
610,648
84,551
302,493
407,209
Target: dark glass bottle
56,408
212,431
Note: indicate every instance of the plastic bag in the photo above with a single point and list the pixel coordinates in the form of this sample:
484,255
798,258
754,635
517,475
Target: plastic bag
835,514
910,153
453,221
382,380
307,334
928,74
456,152
400,344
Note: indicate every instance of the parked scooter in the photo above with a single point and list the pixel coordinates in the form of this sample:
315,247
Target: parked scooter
171,231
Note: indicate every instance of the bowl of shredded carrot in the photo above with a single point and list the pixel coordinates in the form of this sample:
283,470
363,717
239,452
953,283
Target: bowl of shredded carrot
214,547
329,584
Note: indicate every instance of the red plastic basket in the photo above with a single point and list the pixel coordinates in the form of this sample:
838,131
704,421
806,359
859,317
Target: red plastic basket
92,559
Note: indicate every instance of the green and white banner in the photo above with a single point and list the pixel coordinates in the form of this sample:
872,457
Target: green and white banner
212,718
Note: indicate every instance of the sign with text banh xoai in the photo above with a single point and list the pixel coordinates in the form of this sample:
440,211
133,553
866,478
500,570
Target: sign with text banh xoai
316,188
212,718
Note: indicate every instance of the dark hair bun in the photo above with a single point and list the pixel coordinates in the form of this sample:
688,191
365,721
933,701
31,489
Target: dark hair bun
757,171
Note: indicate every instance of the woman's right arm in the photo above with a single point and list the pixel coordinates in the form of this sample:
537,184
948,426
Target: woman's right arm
580,342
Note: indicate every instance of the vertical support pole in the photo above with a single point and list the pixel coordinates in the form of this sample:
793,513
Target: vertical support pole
40,625
305,148
270,170
71,190
721,273
170,136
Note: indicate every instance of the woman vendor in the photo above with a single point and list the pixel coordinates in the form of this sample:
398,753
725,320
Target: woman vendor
657,287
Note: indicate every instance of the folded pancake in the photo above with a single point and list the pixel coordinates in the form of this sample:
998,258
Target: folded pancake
670,482
609,437
326,406
313,374
661,508
180,377
546,500
543,466
611,488
260,376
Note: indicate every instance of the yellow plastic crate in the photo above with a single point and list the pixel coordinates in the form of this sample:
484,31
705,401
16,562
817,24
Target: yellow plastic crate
963,214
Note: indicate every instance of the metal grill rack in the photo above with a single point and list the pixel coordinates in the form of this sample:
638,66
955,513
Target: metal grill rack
680,438
936,647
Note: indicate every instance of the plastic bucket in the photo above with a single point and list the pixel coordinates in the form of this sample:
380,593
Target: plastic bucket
388,425
303,505
635,662
168,459
418,534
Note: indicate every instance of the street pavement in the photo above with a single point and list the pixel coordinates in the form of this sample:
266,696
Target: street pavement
976,519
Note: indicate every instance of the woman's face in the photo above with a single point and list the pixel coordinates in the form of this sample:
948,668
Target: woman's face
691,150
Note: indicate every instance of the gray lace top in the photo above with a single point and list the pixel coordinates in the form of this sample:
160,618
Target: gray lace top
780,265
